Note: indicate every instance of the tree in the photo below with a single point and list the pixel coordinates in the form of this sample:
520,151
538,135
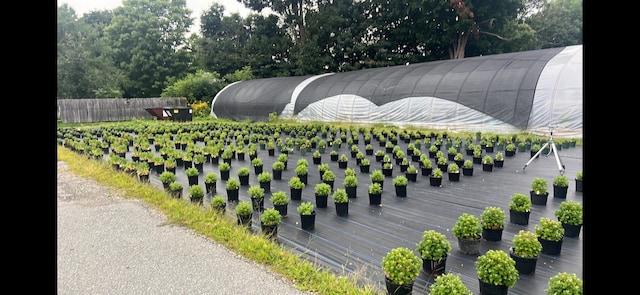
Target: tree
558,23
149,40
198,86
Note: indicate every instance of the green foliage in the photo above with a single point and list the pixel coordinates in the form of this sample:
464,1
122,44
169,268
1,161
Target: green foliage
496,267
196,191
467,164
278,166
322,189
539,186
224,166
192,171
244,208
453,168
448,284
302,170
549,229
437,172
510,147
520,203
426,162
376,175
350,181
255,192
526,244
295,182
375,188
400,180
218,201
232,184
561,180
467,227
340,196
175,186
167,177
579,175
305,208
433,245
401,266
270,216
328,176
243,171
265,176
487,160
564,284
492,218
279,198
210,177
569,212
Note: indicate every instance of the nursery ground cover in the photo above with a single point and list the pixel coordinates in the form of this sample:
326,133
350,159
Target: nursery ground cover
357,243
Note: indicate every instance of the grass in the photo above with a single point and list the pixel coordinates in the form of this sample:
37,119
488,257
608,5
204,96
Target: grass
219,228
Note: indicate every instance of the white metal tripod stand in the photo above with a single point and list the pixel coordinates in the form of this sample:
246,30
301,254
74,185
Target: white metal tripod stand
552,149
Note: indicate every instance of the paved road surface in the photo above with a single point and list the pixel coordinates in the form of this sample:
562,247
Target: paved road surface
111,245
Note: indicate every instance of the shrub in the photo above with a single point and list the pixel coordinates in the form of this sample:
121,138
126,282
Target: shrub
565,284
520,203
244,208
492,218
401,266
270,216
340,196
497,268
279,198
467,227
448,284
305,208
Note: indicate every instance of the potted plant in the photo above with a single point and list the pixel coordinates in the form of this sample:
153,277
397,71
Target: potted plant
579,181
454,172
498,160
341,201
560,186
175,188
364,165
411,173
377,176
448,284
296,185
539,191
550,233
167,178
307,215
525,251
569,213
269,221
210,180
333,155
379,154
375,193
496,272
351,185
196,193
469,232
510,150
433,249
400,183
256,193
322,191
243,175
467,168
323,168
257,165
426,166
244,213
302,171
487,163
343,161
218,204
277,168
224,169
264,179
492,221
564,283
435,179
519,209
233,188
280,202
329,178
401,268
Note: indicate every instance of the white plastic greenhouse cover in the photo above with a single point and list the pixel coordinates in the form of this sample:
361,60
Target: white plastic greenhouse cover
521,91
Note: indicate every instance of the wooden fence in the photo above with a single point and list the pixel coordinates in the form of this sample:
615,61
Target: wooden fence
109,109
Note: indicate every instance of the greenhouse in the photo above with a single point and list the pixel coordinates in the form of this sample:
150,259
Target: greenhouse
531,91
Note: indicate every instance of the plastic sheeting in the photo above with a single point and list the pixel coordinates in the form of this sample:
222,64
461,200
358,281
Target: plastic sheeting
534,91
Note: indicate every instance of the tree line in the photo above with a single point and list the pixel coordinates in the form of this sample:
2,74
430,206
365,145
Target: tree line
143,48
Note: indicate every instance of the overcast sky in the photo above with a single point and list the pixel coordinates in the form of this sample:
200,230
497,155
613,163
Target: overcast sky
196,6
